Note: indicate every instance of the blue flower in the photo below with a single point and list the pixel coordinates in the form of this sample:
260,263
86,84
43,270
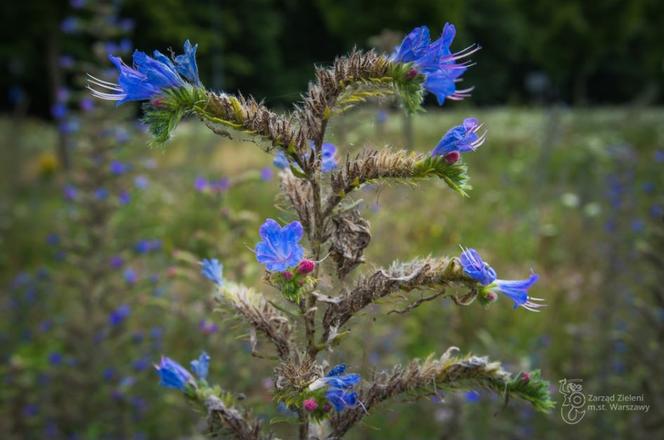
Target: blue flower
337,370
329,161
213,270
149,76
173,375
200,184
340,386
130,276
460,139
414,45
436,61
280,247
117,168
516,290
70,25
472,396
101,193
476,268
118,315
186,64
280,160
201,365
266,174
124,198
341,399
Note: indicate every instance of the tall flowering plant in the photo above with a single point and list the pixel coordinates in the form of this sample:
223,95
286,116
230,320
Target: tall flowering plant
308,318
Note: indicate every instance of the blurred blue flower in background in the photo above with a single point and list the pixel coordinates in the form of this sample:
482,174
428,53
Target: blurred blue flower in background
119,315
329,160
280,160
213,271
201,365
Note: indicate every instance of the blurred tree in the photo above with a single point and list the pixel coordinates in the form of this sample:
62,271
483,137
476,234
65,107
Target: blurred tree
601,53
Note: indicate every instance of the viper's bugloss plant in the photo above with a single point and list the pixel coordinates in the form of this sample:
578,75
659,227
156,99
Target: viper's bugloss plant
306,319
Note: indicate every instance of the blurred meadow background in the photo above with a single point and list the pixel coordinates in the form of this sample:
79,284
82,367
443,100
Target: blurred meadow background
100,236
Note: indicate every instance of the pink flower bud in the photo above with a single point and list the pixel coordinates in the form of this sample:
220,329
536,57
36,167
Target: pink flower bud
287,275
157,102
491,296
306,266
452,157
310,405
525,377
412,73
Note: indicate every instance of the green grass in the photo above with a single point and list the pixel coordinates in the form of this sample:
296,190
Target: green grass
539,201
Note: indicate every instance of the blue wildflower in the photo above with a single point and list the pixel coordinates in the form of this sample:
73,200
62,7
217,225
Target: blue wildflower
341,399
59,110
141,182
329,160
86,104
116,262
280,247
340,386
70,25
207,327
337,370
516,290
476,268
140,364
66,61
118,168
213,270
145,246
130,276
201,365
124,198
472,396
118,315
200,184
173,375
280,160
460,139
436,61
186,64
266,174
55,358
148,77
101,193
221,185
414,46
